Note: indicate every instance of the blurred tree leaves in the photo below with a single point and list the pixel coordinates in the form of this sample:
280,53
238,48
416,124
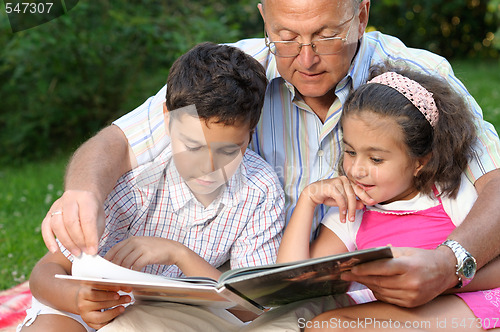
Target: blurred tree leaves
64,80
451,28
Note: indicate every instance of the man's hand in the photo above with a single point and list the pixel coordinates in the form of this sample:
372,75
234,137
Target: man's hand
99,307
77,220
412,278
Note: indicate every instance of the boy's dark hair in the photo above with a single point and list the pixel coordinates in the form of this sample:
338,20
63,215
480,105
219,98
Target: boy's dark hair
450,142
225,84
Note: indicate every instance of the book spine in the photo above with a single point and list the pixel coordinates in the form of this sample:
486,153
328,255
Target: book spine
240,303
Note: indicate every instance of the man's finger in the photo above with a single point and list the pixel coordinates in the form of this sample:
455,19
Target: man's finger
62,234
372,281
397,297
73,226
380,267
88,224
48,236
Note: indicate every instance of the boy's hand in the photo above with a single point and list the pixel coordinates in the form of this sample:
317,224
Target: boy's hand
99,307
138,251
339,192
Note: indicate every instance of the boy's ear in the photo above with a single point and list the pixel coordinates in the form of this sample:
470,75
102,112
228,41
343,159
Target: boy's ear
166,117
421,162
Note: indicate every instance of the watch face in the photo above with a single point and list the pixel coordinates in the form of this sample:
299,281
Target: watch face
469,268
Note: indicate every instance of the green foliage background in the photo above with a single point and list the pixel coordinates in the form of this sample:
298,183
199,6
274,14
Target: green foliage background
451,28
64,80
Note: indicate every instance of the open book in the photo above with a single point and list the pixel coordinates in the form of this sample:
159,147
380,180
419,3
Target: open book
252,288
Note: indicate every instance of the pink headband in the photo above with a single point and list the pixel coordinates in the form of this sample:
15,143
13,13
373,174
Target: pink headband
413,91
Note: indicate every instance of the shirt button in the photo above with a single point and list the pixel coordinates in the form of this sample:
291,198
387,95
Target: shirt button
321,153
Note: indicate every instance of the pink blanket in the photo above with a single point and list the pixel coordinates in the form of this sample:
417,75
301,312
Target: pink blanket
13,305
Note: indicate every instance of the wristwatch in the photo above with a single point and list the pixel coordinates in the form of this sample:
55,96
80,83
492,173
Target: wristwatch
466,264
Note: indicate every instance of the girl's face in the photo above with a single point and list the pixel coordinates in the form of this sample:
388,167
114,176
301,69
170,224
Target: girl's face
376,157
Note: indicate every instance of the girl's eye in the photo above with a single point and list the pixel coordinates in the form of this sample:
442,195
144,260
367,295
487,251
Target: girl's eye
377,160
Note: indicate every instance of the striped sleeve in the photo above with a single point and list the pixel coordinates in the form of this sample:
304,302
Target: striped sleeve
144,128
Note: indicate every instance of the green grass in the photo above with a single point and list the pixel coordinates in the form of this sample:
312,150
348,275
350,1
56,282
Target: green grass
26,195
482,79
28,191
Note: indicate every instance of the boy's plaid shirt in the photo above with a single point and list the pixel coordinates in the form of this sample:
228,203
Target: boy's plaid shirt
244,224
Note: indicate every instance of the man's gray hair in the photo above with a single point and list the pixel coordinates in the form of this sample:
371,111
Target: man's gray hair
355,4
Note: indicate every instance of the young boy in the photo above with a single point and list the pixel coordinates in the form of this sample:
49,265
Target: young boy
203,200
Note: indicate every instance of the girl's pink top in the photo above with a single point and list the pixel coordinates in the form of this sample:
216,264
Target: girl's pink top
425,229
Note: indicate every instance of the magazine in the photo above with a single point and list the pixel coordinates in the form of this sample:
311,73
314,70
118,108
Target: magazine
251,288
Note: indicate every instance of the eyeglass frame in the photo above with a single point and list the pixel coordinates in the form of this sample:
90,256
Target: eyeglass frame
343,39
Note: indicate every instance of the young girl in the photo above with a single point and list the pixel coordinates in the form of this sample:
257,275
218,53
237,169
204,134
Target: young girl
407,141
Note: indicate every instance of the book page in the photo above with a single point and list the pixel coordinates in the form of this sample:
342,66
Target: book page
271,287
99,272
88,266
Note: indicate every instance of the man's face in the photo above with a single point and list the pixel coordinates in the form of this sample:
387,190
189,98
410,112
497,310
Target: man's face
207,155
313,75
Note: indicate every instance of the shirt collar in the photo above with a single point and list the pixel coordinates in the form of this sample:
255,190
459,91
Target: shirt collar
358,70
179,192
272,72
360,67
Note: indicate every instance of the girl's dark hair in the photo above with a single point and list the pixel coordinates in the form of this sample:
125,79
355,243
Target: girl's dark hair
449,143
225,84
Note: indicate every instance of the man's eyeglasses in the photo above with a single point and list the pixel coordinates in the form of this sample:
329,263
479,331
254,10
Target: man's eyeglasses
324,46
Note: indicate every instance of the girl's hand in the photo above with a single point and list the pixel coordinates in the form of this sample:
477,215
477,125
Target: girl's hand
138,251
99,307
339,192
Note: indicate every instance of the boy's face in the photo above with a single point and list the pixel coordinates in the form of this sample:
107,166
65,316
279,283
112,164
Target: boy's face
206,155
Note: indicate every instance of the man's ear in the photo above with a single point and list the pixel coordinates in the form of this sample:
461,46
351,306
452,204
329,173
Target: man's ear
261,10
364,13
166,117
421,162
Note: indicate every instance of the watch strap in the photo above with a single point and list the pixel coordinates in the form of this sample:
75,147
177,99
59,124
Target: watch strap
461,255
